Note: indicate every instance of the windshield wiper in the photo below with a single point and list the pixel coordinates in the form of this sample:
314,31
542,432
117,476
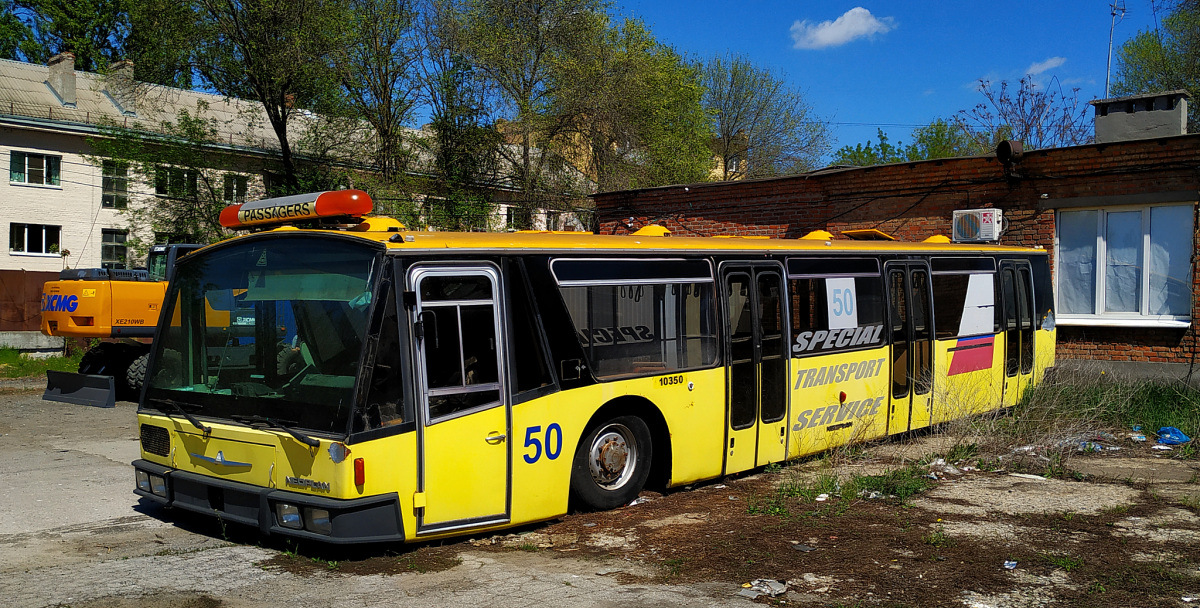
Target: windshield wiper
175,405
271,422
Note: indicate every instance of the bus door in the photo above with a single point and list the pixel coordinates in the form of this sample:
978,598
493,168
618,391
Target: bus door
463,471
756,352
1016,296
910,316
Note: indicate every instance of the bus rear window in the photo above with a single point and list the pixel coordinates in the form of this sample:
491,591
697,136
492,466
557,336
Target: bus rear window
643,329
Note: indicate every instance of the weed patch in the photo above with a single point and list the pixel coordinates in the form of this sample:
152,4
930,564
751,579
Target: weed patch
938,538
902,483
13,365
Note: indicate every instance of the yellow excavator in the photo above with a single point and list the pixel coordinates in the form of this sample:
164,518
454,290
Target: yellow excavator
107,303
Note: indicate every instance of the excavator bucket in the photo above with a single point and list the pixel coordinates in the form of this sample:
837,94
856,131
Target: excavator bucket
80,389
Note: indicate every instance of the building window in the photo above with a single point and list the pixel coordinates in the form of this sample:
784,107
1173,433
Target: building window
114,184
175,182
1125,264
33,238
38,169
113,253
235,188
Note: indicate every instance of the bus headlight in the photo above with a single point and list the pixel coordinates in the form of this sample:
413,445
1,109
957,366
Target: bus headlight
158,485
288,516
317,520
143,480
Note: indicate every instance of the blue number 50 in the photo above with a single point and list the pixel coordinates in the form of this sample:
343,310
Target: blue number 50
552,439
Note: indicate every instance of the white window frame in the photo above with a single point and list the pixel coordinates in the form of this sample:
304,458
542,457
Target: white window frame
1100,318
27,252
43,183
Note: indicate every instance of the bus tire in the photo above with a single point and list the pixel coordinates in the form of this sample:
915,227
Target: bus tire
612,463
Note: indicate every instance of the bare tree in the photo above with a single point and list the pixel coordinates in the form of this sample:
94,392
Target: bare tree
1039,116
763,126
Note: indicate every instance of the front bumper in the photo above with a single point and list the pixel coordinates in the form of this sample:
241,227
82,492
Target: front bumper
360,520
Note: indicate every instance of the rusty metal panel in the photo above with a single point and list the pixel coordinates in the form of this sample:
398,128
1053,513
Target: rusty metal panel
20,299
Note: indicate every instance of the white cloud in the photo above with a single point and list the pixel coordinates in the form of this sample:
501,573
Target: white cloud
855,23
1042,66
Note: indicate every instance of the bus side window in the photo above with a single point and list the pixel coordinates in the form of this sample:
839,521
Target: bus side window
644,328
963,304
528,349
858,301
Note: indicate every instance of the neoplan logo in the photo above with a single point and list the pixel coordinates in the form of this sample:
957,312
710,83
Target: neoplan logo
59,303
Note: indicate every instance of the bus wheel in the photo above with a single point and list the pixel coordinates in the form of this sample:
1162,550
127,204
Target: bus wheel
612,463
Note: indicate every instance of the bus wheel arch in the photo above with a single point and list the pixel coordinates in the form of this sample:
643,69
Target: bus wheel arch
625,431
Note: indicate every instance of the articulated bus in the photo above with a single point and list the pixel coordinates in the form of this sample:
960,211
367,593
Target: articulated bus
375,384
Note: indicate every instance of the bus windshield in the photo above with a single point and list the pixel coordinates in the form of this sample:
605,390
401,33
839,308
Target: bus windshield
266,329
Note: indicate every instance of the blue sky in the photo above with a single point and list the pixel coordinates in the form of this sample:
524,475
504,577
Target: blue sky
899,65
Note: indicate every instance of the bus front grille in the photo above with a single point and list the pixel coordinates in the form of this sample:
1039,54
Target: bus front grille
155,440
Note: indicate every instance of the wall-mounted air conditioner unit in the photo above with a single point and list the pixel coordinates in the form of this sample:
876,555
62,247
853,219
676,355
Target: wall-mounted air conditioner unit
977,225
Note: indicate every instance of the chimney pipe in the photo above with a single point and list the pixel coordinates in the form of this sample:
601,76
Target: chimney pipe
1141,116
61,78
120,86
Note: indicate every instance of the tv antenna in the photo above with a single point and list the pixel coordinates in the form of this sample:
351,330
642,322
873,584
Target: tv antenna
1117,8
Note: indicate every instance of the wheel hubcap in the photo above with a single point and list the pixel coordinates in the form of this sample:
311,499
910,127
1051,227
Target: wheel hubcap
613,456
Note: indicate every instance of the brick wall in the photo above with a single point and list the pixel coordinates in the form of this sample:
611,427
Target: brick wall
912,201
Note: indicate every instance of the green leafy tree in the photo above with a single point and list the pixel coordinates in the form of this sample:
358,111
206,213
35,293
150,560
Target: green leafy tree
942,139
93,30
938,139
1165,59
763,126
275,52
154,35
869,154
465,151
635,112
160,42
176,186
16,37
520,47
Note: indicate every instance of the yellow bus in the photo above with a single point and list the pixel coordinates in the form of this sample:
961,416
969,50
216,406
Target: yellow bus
381,384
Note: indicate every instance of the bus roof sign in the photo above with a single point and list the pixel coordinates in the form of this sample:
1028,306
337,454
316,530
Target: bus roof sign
296,208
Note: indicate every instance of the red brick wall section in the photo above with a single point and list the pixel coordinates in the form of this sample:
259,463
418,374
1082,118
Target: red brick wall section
912,201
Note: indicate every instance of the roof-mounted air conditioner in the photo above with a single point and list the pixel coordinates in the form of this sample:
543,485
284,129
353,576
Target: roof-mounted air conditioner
977,225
